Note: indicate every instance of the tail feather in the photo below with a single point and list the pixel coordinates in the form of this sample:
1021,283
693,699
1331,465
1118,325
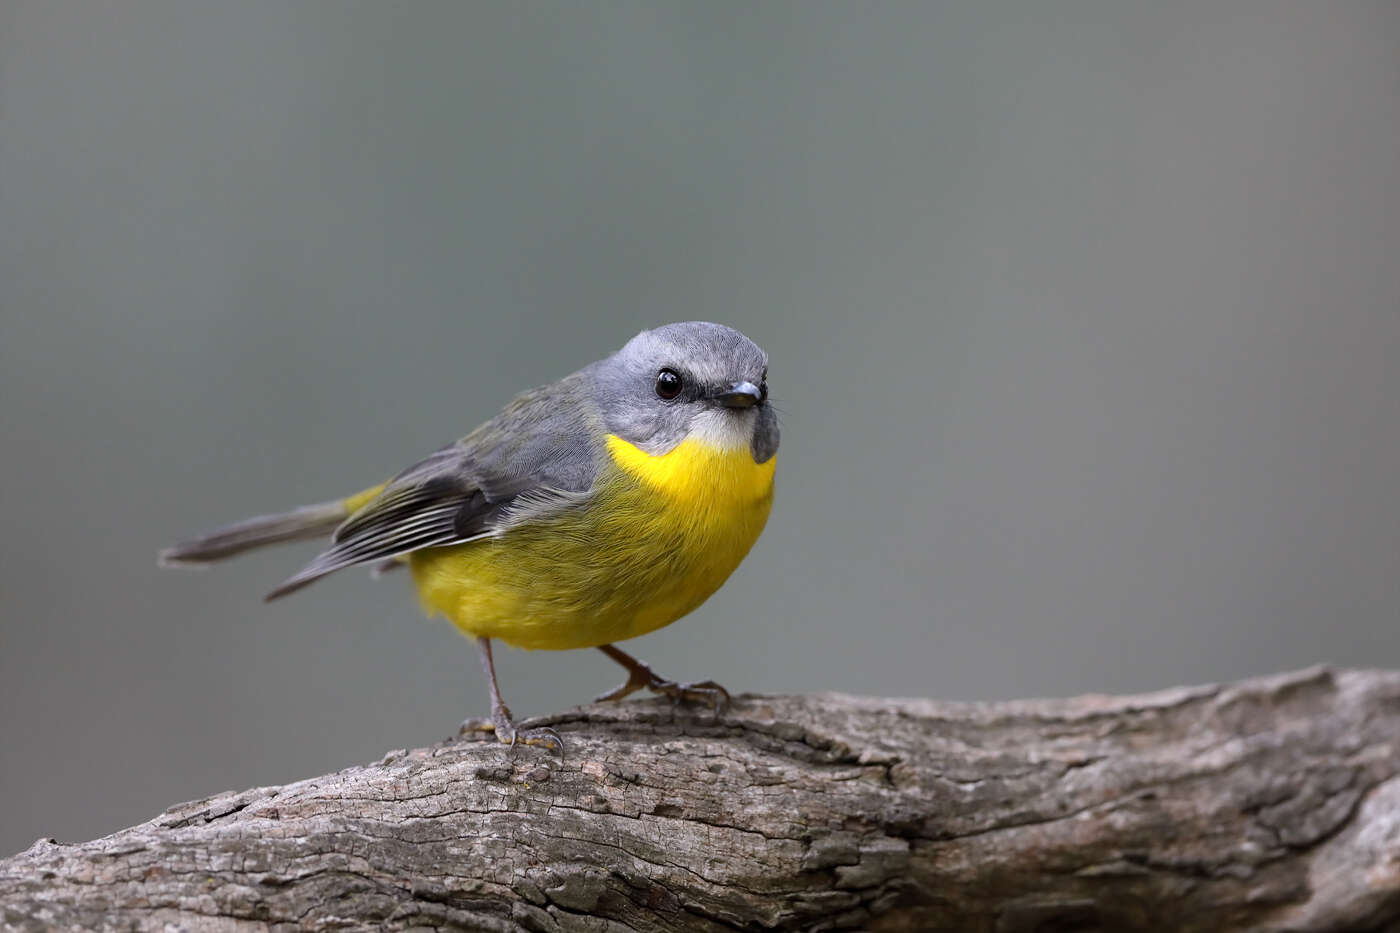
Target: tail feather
309,521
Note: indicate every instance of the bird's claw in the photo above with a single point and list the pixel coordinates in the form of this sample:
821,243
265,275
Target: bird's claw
508,733
705,691
544,737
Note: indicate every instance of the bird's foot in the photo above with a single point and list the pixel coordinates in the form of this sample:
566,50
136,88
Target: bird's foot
701,691
705,691
508,733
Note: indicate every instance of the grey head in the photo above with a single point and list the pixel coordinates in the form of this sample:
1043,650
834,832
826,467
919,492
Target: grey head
689,379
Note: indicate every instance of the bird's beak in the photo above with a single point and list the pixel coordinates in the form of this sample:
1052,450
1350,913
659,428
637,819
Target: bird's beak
740,395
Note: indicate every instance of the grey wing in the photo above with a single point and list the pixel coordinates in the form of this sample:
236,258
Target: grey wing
537,457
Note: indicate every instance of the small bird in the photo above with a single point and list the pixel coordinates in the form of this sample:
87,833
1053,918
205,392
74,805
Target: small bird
591,510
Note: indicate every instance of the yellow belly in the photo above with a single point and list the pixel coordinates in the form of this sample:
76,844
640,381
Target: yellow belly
660,536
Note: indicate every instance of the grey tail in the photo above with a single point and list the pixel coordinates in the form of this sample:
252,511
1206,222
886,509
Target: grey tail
309,521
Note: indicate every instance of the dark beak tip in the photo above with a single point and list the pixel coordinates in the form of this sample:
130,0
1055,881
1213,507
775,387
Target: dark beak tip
741,395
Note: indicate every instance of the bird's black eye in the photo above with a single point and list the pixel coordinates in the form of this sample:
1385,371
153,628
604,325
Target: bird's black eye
668,384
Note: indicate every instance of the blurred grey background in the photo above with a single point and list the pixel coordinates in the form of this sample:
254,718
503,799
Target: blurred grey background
1084,320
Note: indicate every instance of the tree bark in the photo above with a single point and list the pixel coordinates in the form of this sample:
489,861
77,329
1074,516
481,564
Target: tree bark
1272,804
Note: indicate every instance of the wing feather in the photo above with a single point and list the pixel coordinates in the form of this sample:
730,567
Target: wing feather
537,457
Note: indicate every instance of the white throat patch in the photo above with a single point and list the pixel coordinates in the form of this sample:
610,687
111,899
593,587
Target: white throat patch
724,428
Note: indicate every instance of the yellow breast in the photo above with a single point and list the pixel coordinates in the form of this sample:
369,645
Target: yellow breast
697,474
661,535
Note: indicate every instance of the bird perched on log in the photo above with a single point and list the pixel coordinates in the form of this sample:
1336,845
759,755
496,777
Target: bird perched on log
591,510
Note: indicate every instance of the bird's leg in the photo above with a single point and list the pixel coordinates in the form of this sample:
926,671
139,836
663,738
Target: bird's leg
639,676
501,722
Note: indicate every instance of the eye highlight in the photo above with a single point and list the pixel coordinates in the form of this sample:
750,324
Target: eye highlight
668,384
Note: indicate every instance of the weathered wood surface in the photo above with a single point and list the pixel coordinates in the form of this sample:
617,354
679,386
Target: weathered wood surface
1272,804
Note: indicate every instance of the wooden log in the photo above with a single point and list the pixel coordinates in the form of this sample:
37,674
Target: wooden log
1271,804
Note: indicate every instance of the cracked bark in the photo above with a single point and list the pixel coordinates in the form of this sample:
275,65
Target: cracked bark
1272,804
